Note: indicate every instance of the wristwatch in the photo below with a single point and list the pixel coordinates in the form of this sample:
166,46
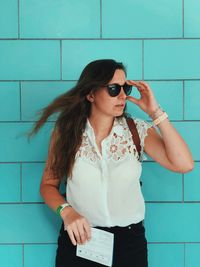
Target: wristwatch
61,208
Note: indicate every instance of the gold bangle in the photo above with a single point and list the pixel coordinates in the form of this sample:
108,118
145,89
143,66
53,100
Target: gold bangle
160,118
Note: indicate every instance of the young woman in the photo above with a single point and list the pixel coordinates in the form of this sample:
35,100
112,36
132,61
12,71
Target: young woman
92,149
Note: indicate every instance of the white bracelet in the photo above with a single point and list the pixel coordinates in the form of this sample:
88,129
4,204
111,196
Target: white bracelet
61,208
157,109
64,206
160,118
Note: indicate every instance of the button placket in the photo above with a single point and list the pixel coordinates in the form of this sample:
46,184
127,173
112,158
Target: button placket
105,175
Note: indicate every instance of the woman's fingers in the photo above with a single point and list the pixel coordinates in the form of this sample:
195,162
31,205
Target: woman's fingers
136,82
147,101
71,235
76,225
74,234
133,99
82,236
79,232
87,228
141,86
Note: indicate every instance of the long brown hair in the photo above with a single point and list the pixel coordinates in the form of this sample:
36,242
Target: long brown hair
74,109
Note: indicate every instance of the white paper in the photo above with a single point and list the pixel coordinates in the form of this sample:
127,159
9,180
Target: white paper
99,248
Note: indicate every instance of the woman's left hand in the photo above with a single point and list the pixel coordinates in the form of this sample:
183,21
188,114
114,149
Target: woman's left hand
147,101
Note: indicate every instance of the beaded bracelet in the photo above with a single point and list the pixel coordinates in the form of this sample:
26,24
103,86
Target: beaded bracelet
160,119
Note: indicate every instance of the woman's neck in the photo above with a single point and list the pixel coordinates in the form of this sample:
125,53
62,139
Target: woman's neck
101,125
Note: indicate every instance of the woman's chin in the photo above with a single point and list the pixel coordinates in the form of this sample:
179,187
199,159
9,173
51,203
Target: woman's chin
119,113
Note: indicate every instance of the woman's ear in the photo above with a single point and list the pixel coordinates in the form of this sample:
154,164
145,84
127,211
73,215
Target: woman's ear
90,97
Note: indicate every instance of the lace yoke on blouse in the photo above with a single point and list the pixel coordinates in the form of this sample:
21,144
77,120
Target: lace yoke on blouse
118,145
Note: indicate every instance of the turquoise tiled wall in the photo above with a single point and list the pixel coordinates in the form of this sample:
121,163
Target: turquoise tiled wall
166,255
39,255
43,47
142,19
11,255
36,95
59,19
77,53
171,59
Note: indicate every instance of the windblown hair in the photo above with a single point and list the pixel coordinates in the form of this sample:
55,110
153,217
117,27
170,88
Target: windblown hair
74,109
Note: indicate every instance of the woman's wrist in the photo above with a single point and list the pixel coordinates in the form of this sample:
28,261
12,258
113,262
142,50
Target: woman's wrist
161,118
156,113
60,209
65,212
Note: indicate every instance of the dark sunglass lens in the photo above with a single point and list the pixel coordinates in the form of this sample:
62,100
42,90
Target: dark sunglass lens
127,89
113,89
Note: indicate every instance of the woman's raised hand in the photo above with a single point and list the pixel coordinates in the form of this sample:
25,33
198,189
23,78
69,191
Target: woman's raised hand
77,226
147,101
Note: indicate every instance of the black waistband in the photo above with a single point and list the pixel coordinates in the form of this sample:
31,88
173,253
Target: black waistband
116,229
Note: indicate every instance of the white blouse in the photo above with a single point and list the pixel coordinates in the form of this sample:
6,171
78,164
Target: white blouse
105,188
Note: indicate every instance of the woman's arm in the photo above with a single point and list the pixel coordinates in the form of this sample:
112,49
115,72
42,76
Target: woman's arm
76,225
49,190
49,187
169,148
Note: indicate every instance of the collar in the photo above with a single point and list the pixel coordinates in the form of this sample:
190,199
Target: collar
118,126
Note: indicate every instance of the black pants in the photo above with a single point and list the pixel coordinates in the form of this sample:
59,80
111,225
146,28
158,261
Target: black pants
130,248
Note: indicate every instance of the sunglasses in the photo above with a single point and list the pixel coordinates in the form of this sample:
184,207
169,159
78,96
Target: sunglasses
115,89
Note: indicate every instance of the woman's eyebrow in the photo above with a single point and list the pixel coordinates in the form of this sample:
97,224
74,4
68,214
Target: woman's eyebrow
118,83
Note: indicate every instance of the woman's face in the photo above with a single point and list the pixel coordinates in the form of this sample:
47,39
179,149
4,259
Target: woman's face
103,103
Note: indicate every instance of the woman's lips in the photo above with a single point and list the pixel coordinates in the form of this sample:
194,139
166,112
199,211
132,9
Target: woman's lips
120,105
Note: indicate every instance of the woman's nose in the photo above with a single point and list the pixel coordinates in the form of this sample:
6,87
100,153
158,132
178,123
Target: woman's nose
122,93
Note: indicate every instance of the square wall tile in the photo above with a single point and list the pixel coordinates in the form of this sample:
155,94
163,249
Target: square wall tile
192,184
166,255
192,100
192,255
172,222
190,132
141,18
8,19
9,101
171,59
39,255
191,18
60,19
38,95
15,145
31,178
77,54
29,223
30,60
160,184
11,256
10,177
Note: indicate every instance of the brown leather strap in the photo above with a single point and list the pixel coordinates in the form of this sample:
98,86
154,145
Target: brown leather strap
135,135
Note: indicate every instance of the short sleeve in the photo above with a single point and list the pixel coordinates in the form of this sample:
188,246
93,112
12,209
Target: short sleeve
142,127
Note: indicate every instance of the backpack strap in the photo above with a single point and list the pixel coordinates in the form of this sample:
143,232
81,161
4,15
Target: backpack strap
135,135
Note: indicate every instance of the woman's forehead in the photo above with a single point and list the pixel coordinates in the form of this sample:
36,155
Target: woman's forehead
118,77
